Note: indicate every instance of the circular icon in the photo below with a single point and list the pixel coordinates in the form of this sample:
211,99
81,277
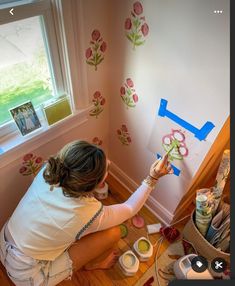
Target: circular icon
199,264
218,265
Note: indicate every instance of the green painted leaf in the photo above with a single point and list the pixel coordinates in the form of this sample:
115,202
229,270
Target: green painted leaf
128,91
90,63
100,60
98,57
136,23
123,99
129,38
137,37
139,43
131,105
96,47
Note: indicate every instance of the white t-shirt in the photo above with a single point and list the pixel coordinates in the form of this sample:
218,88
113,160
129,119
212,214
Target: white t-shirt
45,223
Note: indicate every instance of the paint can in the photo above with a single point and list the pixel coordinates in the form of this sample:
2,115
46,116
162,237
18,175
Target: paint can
102,192
143,247
129,263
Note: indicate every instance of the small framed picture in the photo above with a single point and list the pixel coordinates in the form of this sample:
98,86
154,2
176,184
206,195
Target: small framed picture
25,118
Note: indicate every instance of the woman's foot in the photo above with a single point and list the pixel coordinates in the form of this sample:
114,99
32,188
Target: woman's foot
106,263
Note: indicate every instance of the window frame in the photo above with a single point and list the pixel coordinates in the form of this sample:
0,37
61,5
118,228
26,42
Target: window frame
55,59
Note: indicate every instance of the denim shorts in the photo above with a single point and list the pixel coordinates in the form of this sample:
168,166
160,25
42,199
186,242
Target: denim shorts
27,271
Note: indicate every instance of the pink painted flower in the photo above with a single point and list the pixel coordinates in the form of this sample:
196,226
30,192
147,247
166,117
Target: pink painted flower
102,101
129,139
129,82
119,132
145,29
97,141
22,169
138,9
38,160
124,128
103,47
27,157
88,53
128,24
122,90
135,97
95,35
97,94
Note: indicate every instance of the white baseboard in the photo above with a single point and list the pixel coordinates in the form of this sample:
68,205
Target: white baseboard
152,204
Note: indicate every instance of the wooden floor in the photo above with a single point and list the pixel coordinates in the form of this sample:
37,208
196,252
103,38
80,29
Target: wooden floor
114,276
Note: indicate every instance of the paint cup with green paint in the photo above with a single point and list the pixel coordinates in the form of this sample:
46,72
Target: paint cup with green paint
143,247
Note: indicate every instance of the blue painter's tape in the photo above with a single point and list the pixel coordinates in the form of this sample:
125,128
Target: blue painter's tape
200,134
175,169
1,151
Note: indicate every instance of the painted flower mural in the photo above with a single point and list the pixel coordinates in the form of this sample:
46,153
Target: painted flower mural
31,165
97,141
136,27
128,95
123,135
95,53
174,143
98,101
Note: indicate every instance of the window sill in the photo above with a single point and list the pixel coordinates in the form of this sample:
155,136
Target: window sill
15,145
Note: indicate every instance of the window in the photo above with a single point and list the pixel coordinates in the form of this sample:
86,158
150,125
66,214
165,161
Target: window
24,69
30,63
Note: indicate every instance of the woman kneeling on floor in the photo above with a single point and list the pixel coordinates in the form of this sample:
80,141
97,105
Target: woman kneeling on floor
59,227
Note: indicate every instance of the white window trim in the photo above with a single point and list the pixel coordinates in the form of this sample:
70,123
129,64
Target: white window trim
70,15
73,71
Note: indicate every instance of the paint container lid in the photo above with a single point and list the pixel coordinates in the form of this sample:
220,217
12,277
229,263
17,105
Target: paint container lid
143,247
129,263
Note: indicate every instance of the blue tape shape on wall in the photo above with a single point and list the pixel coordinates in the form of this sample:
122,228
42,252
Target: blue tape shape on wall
175,169
200,134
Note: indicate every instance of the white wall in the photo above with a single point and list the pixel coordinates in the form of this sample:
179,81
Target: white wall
185,60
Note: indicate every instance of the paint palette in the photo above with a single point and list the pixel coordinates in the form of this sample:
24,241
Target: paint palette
143,247
129,263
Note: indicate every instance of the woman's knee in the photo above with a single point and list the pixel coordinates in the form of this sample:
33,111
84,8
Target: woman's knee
115,233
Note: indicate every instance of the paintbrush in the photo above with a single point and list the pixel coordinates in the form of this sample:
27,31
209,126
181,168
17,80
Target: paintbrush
172,147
